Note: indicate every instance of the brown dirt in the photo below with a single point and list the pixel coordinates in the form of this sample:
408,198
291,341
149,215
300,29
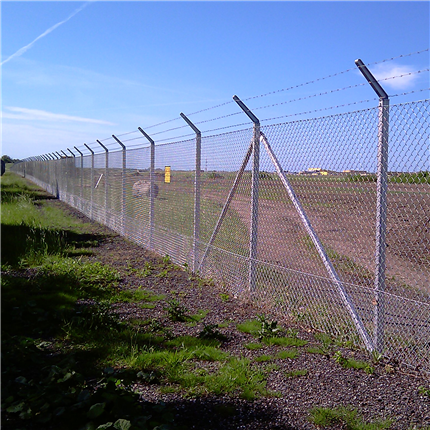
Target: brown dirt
390,392
345,223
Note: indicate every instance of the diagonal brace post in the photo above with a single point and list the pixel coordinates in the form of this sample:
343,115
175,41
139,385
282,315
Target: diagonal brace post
227,203
321,251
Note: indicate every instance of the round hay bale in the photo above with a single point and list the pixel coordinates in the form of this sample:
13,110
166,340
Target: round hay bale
142,189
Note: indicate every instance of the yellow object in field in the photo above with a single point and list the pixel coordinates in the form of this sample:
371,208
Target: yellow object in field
167,174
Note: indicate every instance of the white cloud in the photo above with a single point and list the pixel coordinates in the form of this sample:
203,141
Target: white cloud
25,48
24,114
398,77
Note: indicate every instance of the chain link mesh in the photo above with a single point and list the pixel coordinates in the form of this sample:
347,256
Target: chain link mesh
330,164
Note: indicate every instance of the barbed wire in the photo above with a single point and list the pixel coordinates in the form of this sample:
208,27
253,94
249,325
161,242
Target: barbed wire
309,82
212,107
339,89
96,145
134,138
179,137
170,129
227,126
127,133
321,110
409,92
276,92
399,56
162,123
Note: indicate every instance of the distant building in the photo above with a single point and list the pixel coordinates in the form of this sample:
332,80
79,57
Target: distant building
355,172
317,171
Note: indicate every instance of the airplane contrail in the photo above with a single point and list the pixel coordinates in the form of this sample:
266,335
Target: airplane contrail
27,47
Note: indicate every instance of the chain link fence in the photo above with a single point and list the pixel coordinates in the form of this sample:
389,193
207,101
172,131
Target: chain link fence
308,244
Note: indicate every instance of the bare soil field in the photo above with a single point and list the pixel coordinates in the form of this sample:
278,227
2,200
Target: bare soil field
343,214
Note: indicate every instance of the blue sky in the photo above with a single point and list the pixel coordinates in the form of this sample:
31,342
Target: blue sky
74,72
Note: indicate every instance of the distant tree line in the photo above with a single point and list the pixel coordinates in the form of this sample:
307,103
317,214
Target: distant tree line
8,159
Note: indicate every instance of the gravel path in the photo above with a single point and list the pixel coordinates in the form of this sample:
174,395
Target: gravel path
390,392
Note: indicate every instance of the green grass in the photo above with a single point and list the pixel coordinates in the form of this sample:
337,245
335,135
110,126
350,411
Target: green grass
351,363
351,420
422,177
253,346
250,327
264,357
296,373
284,341
315,350
288,353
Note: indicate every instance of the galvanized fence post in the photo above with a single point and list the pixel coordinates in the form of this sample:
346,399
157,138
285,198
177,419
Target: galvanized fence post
73,174
254,195
106,180
82,173
123,190
55,157
66,174
196,237
151,190
91,180
381,205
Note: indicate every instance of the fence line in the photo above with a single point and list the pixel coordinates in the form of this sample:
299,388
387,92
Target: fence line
323,226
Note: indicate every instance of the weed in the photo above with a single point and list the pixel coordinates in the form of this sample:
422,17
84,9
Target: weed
291,332
224,297
350,363
264,358
377,356
268,328
270,367
296,373
388,368
224,324
284,341
325,340
260,328
316,350
146,271
163,274
253,346
211,331
209,353
348,417
236,375
176,311
250,326
424,391
288,353
199,315
191,342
